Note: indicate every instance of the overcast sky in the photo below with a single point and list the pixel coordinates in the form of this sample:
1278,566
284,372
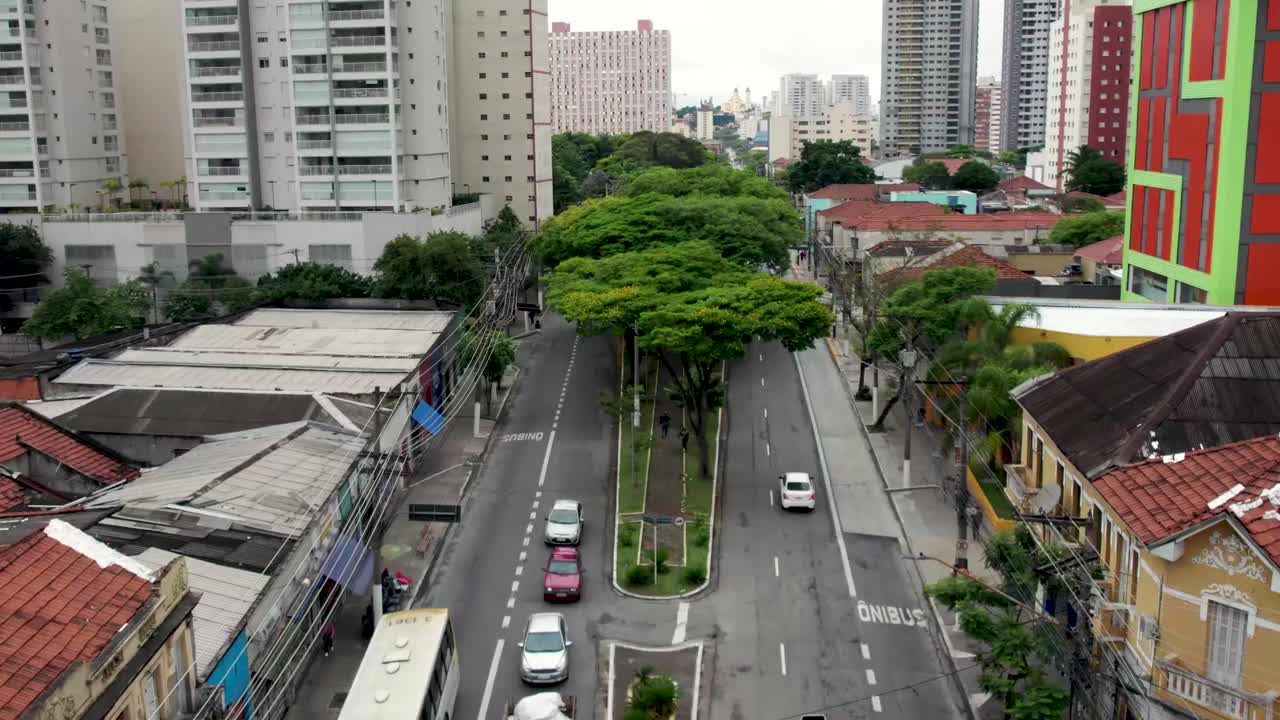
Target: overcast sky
718,45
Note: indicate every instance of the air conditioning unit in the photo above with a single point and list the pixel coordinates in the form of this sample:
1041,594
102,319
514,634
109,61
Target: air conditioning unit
1120,618
1148,628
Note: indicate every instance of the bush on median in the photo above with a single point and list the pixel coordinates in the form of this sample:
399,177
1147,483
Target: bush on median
638,575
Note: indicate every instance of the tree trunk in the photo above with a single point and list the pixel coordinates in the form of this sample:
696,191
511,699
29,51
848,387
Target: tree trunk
879,423
693,382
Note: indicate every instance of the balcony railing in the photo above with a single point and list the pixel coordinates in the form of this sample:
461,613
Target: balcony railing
10,126
313,119
362,119
11,80
1206,693
221,171
10,56
364,169
315,144
377,92
217,97
361,67
217,122
214,46
357,40
204,20
17,173
340,15
315,170
303,69
215,71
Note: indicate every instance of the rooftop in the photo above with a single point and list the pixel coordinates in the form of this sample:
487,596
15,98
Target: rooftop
1119,319
307,341
108,373
46,630
23,431
863,191
956,222
189,536
859,212
963,256
168,356
271,479
1212,384
1105,252
1106,201
908,248
1022,183
226,595
1165,496
433,321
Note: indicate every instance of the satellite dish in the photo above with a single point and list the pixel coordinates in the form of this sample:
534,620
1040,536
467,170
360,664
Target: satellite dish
1047,499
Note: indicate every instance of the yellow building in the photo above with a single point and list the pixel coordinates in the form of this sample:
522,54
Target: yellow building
1167,456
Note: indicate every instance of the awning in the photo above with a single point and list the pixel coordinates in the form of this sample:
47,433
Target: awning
349,563
428,417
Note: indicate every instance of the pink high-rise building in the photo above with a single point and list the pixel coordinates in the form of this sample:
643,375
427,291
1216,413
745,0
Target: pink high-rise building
988,108
610,81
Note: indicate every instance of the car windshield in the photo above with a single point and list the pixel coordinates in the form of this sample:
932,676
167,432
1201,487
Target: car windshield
797,485
563,516
563,567
540,642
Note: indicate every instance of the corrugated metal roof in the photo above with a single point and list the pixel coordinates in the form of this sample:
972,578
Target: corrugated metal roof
307,341
56,408
192,413
226,594
326,380
421,320
166,356
1129,320
272,479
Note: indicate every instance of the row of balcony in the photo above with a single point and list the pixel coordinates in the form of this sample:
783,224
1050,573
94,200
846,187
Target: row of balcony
344,170
322,69
349,119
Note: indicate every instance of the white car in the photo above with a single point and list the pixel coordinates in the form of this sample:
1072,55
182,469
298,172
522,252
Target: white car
544,655
795,490
564,523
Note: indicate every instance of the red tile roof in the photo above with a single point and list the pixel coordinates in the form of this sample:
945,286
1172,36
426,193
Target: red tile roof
856,212
12,494
863,191
1106,252
955,222
967,256
1118,198
58,607
895,247
1107,201
21,429
1023,183
1159,499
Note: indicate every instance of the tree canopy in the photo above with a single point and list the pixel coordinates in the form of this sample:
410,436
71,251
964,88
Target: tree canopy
646,149
1088,171
81,309
749,231
573,156
311,282
824,163
23,259
974,176
717,180
928,174
927,310
442,267
1081,230
212,288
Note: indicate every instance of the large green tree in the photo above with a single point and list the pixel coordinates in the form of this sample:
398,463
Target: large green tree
928,174
1081,230
717,180
647,149
212,288
827,162
442,267
1088,171
311,282
752,232
23,259
974,176
81,309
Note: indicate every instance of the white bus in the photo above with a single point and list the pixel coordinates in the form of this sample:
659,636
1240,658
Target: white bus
410,670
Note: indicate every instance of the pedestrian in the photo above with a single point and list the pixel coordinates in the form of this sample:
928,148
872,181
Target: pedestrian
684,438
920,417
664,422
327,638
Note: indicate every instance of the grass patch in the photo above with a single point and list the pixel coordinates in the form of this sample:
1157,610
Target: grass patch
996,496
633,478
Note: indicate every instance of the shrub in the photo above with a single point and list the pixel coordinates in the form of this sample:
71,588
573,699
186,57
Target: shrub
664,557
635,714
638,575
627,535
656,695
695,575
702,537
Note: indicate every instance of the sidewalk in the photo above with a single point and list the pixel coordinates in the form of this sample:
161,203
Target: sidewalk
928,514
407,546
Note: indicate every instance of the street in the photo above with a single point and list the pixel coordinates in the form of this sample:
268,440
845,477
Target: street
795,626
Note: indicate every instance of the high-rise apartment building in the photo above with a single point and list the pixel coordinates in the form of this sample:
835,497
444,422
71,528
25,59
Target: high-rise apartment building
988,112
314,106
610,82
500,100
930,65
60,132
850,88
1204,164
1088,89
1025,71
801,95
705,130
788,134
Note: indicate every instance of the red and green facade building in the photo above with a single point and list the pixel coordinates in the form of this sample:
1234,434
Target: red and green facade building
1204,162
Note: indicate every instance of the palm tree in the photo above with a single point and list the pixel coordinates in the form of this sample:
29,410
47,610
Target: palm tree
137,183
1080,156
109,188
153,277
180,190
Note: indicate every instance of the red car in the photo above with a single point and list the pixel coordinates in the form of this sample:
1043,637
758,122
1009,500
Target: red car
562,580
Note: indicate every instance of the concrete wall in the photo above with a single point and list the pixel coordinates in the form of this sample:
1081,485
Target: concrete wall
959,200
146,450
1047,264
148,64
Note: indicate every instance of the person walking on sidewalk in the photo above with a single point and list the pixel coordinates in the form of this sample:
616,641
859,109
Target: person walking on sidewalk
664,422
327,638
684,438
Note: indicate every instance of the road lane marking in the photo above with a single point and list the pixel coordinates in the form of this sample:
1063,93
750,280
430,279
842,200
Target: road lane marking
770,498
822,460
515,585
506,621
766,413
761,382
533,515
761,357
767,450
511,602
526,541
535,504
782,653
523,437
519,570
875,703
682,624
537,493
488,684
866,652
871,676
890,615
776,573
523,555
546,457
528,529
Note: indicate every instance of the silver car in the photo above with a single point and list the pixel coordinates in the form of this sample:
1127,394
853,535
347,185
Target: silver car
564,523
544,655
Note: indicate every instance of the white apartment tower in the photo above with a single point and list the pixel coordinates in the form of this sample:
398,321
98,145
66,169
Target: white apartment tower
610,82
850,88
501,103
801,95
60,133
930,62
1025,71
311,105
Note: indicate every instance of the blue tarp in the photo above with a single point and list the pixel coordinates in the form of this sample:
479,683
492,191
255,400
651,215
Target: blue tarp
428,417
349,563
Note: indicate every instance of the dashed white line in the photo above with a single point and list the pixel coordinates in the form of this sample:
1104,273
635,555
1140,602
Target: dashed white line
766,413
506,621
871,676
526,542
761,382
535,504
528,529
761,357
776,572
866,652
533,515
511,602
770,498
537,493
767,449
546,457
523,555
515,585
488,684
682,624
782,653
875,703
519,570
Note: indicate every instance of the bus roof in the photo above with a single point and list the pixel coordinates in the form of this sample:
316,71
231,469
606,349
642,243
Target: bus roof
395,673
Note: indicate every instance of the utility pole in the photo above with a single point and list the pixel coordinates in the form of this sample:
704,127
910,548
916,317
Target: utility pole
962,484
295,253
909,358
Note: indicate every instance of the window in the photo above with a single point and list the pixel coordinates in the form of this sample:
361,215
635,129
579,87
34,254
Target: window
1150,285
481,55
484,96
1226,643
264,62
507,179
484,179
262,37
1191,294
484,117
284,62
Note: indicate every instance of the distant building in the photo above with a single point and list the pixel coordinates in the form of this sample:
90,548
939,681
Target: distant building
735,105
1024,71
989,110
801,95
788,134
610,82
850,88
706,127
929,60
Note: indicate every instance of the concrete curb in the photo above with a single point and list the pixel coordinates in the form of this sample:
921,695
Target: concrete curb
697,671
497,419
954,674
